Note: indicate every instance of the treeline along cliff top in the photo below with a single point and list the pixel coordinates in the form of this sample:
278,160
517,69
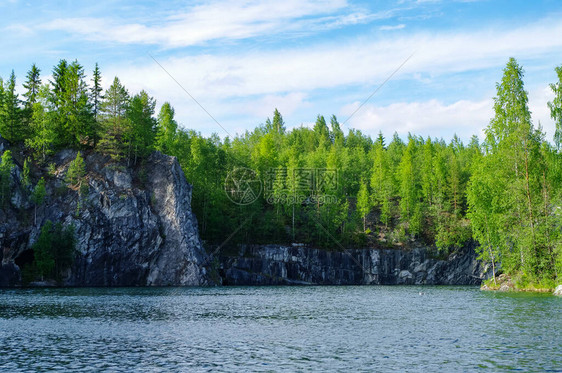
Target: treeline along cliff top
504,192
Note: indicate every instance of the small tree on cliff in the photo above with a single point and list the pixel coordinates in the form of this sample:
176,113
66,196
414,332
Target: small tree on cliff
38,196
6,166
76,171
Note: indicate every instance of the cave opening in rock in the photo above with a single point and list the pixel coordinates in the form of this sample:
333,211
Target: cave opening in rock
25,258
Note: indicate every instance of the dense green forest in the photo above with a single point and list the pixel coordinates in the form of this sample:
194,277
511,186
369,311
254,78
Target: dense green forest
503,193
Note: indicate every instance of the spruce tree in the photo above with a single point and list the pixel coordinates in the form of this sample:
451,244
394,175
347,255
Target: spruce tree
166,129
11,126
32,86
96,98
114,120
140,136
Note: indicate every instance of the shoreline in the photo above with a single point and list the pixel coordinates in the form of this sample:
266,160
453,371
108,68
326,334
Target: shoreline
505,283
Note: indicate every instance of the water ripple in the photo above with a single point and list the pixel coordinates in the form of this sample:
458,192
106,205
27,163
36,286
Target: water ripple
368,328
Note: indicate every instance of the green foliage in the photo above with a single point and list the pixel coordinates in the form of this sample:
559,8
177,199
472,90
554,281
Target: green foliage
43,252
6,166
96,92
503,193
71,111
509,194
32,85
166,129
76,171
42,126
115,123
38,195
277,125
53,251
11,124
363,203
51,169
140,135
25,180
555,107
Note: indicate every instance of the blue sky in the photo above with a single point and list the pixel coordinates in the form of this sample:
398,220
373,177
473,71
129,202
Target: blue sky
242,59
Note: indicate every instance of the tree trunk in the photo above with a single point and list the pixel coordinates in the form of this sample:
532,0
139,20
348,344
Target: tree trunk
529,202
293,221
490,250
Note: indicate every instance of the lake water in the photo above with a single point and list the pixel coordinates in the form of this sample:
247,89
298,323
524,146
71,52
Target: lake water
363,328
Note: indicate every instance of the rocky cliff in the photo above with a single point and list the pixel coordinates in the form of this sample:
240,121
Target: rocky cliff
274,264
134,226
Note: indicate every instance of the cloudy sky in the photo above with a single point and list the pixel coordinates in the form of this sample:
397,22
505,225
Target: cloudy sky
242,59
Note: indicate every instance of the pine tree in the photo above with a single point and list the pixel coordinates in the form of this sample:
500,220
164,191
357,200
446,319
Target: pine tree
278,123
6,166
57,99
58,83
79,127
96,98
166,129
140,137
32,86
11,126
96,92
336,134
115,122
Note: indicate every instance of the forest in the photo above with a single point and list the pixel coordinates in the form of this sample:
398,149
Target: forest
503,193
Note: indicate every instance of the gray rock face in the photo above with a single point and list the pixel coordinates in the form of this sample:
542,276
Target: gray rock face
558,291
133,228
274,265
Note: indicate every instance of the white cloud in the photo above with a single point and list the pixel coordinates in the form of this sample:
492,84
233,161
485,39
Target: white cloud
540,112
429,118
18,30
215,20
328,66
252,83
286,104
392,27
437,119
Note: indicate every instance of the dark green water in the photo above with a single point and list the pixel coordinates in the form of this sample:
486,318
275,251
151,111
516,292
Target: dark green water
368,328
